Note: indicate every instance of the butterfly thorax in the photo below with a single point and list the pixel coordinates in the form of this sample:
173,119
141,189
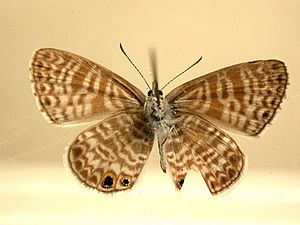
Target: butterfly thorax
160,117
159,114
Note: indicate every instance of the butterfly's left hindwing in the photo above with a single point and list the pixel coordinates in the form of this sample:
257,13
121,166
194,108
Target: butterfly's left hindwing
110,155
195,143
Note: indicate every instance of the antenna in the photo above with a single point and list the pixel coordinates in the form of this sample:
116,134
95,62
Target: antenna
182,72
123,51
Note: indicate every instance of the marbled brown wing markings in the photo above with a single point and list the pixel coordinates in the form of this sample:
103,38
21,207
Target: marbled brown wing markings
110,155
194,143
70,88
242,97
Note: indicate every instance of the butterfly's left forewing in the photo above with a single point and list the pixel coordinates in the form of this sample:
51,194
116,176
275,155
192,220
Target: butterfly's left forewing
242,97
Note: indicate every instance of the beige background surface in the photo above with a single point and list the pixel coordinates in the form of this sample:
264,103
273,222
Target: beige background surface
35,186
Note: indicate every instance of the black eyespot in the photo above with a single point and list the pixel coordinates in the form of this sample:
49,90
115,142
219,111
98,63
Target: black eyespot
150,93
280,79
273,102
180,183
107,182
265,115
125,182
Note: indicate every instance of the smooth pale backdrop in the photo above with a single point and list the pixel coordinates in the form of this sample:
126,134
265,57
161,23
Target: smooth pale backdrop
36,187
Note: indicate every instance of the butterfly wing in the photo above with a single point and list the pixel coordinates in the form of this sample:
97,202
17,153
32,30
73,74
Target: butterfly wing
242,98
70,88
110,155
195,143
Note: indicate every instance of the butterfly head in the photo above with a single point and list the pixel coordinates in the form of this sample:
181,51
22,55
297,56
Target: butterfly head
155,93
160,94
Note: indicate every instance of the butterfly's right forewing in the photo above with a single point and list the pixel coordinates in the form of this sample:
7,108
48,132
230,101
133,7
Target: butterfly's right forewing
70,88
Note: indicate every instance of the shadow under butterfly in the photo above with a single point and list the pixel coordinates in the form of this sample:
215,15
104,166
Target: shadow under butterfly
110,155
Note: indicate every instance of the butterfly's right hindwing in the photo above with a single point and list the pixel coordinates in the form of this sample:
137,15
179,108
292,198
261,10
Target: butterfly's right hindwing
110,155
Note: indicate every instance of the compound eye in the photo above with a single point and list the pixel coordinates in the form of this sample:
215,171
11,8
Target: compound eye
150,93
160,92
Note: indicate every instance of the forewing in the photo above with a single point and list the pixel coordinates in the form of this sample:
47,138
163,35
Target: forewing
70,88
110,155
242,98
195,143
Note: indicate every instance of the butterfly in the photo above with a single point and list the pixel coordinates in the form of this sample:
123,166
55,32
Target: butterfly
188,122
